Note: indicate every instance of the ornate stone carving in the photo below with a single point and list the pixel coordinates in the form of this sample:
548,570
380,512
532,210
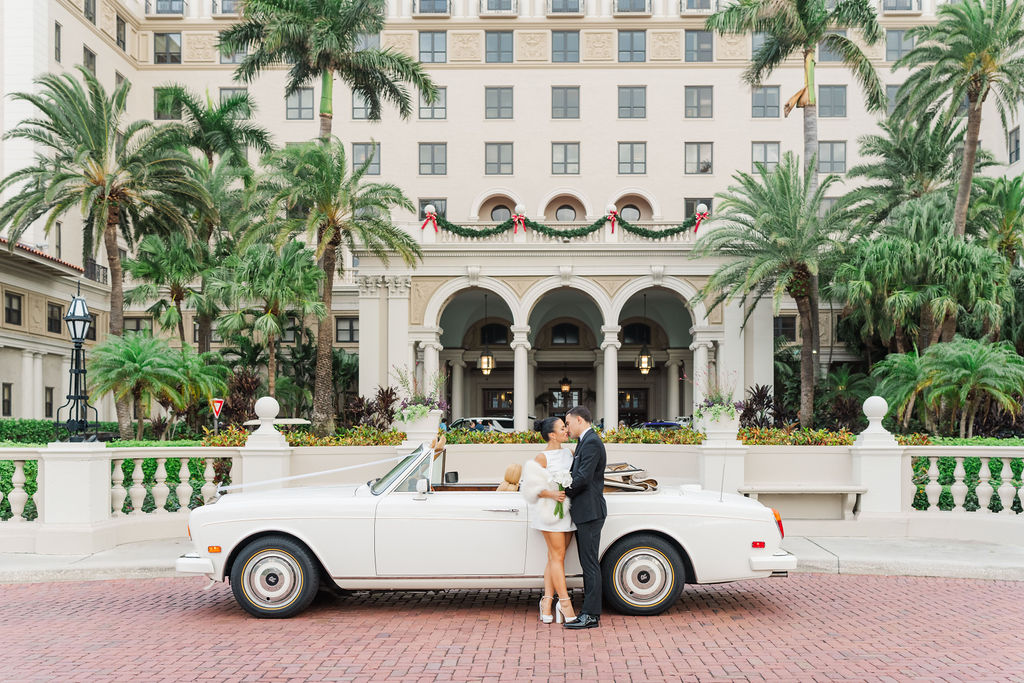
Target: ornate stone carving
658,274
565,272
532,46
465,46
666,46
200,47
400,41
520,284
611,284
369,285
715,316
399,285
733,46
598,46
108,22
422,289
473,274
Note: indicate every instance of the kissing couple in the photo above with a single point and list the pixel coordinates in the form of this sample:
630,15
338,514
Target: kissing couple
565,492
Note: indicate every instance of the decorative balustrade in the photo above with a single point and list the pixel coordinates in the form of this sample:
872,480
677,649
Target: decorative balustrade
135,492
17,496
977,480
687,238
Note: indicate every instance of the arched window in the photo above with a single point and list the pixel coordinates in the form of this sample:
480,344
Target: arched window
493,334
636,333
630,213
565,213
565,333
501,213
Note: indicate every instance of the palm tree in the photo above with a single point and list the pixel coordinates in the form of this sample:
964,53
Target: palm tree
263,287
345,373
902,379
135,366
203,377
775,236
125,176
844,383
1000,207
321,38
343,211
170,264
975,50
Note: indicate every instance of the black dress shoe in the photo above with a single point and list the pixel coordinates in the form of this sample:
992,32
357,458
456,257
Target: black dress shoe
584,620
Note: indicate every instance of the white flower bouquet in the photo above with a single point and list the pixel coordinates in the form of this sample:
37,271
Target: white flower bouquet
563,479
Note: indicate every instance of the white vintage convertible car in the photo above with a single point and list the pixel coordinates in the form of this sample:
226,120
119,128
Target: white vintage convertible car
411,530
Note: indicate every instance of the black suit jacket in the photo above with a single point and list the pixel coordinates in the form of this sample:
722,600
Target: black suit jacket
587,487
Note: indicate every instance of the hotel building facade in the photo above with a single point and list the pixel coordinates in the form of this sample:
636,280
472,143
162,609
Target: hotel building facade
563,108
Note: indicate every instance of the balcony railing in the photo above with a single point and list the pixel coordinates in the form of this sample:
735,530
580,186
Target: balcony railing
901,6
95,272
632,6
683,239
566,7
177,8
434,8
499,8
226,6
697,7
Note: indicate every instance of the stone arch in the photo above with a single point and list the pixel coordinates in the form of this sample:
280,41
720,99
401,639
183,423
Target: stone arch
440,298
587,287
488,196
630,195
568,192
681,287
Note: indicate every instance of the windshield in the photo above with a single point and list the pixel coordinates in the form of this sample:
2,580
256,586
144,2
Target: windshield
378,487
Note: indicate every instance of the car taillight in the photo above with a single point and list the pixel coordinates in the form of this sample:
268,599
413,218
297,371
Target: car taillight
778,520
757,544
189,530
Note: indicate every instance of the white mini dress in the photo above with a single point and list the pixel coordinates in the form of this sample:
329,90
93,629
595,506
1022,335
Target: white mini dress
537,479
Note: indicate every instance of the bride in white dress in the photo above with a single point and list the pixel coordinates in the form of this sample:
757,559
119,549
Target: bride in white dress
541,491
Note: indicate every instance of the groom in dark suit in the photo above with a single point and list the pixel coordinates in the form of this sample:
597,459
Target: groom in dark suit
588,510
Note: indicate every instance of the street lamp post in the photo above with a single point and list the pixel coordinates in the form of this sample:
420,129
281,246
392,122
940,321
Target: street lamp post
78,321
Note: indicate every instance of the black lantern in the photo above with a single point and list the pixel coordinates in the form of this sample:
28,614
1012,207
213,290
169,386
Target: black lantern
645,361
78,320
564,384
486,359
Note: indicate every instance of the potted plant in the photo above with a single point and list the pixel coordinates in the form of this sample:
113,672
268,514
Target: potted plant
420,410
718,416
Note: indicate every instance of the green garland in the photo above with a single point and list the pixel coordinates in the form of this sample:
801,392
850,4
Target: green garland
583,230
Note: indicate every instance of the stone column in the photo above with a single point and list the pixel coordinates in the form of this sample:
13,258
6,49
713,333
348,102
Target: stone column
37,386
877,459
24,390
398,322
731,351
700,370
431,361
610,346
371,355
599,389
520,384
672,386
458,388
531,385
760,345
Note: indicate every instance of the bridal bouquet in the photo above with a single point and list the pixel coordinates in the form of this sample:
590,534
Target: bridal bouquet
563,479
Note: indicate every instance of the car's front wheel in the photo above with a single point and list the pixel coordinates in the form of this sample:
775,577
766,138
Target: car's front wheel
274,577
643,575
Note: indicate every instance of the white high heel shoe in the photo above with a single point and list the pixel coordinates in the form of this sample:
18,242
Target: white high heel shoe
546,618
560,615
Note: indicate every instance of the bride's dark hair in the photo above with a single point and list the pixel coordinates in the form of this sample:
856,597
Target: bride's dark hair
546,426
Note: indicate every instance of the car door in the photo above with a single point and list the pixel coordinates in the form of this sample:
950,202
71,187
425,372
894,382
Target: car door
450,533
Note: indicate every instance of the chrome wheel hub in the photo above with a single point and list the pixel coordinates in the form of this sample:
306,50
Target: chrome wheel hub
272,578
643,576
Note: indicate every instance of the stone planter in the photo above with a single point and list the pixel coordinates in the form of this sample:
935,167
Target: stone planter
721,432
423,429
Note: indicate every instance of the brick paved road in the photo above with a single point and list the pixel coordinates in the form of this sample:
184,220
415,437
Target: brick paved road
809,627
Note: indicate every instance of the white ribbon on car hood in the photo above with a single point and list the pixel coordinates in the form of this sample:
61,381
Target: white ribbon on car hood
223,489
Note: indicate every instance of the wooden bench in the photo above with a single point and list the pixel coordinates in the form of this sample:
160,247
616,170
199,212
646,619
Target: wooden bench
850,494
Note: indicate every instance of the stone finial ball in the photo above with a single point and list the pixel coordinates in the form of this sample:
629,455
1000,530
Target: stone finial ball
520,209
875,407
267,408
429,208
609,208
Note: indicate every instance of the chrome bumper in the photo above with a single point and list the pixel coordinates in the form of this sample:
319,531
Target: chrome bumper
780,563
191,563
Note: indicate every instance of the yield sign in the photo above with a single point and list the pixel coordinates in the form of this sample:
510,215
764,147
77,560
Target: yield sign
216,404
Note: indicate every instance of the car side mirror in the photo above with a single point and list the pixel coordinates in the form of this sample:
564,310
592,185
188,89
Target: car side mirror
451,477
422,487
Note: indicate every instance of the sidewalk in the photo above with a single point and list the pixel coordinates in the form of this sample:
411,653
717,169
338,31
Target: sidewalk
889,556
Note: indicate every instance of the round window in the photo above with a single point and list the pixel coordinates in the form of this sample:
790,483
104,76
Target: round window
500,214
565,213
630,213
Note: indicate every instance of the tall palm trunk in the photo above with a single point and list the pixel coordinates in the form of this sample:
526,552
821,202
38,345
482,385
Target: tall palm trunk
138,411
323,388
205,329
803,305
810,166
124,416
271,365
963,192
326,104
181,322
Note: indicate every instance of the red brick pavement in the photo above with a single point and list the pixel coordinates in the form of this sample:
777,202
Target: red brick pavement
805,628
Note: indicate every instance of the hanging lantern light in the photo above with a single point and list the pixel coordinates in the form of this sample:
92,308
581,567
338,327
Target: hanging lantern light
564,384
486,362
645,361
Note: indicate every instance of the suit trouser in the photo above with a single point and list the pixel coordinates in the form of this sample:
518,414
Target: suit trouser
588,542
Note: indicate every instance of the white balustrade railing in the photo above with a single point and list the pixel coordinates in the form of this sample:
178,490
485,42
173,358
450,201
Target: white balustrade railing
17,497
994,489
135,491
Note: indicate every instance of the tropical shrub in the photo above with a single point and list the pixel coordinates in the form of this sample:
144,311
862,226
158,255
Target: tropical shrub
796,437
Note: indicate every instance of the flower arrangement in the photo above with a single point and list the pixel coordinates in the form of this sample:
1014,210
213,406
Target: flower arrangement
718,403
418,402
563,479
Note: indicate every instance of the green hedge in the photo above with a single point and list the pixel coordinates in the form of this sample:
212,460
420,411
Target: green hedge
42,431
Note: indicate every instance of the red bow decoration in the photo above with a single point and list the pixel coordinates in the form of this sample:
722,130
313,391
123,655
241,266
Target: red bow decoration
700,217
518,221
431,218
612,216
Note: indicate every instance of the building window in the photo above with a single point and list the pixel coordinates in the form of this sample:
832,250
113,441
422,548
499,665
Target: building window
361,151
227,93
165,109
565,46
699,46
433,47
757,41
699,157
89,10
501,213
765,102
58,239
632,157
360,108
215,337
54,317
632,101
170,6
565,102
785,327
891,93
89,60
831,101
630,213
565,334
12,308
897,44
498,158
47,401
440,206
122,34
690,205
56,41
493,334
632,46
346,330
498,103
6,396
566,6
827,55
1013,145
367,41
636,333
299,105
699,103
433,158
229,6
826,205
899,5
143,325
832,157
766,153
437,110
498,46
234,57
167,48
565,158
90,334
565,214
118,79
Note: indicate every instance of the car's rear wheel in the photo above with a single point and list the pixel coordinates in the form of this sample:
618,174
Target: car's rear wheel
643,575
274,577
